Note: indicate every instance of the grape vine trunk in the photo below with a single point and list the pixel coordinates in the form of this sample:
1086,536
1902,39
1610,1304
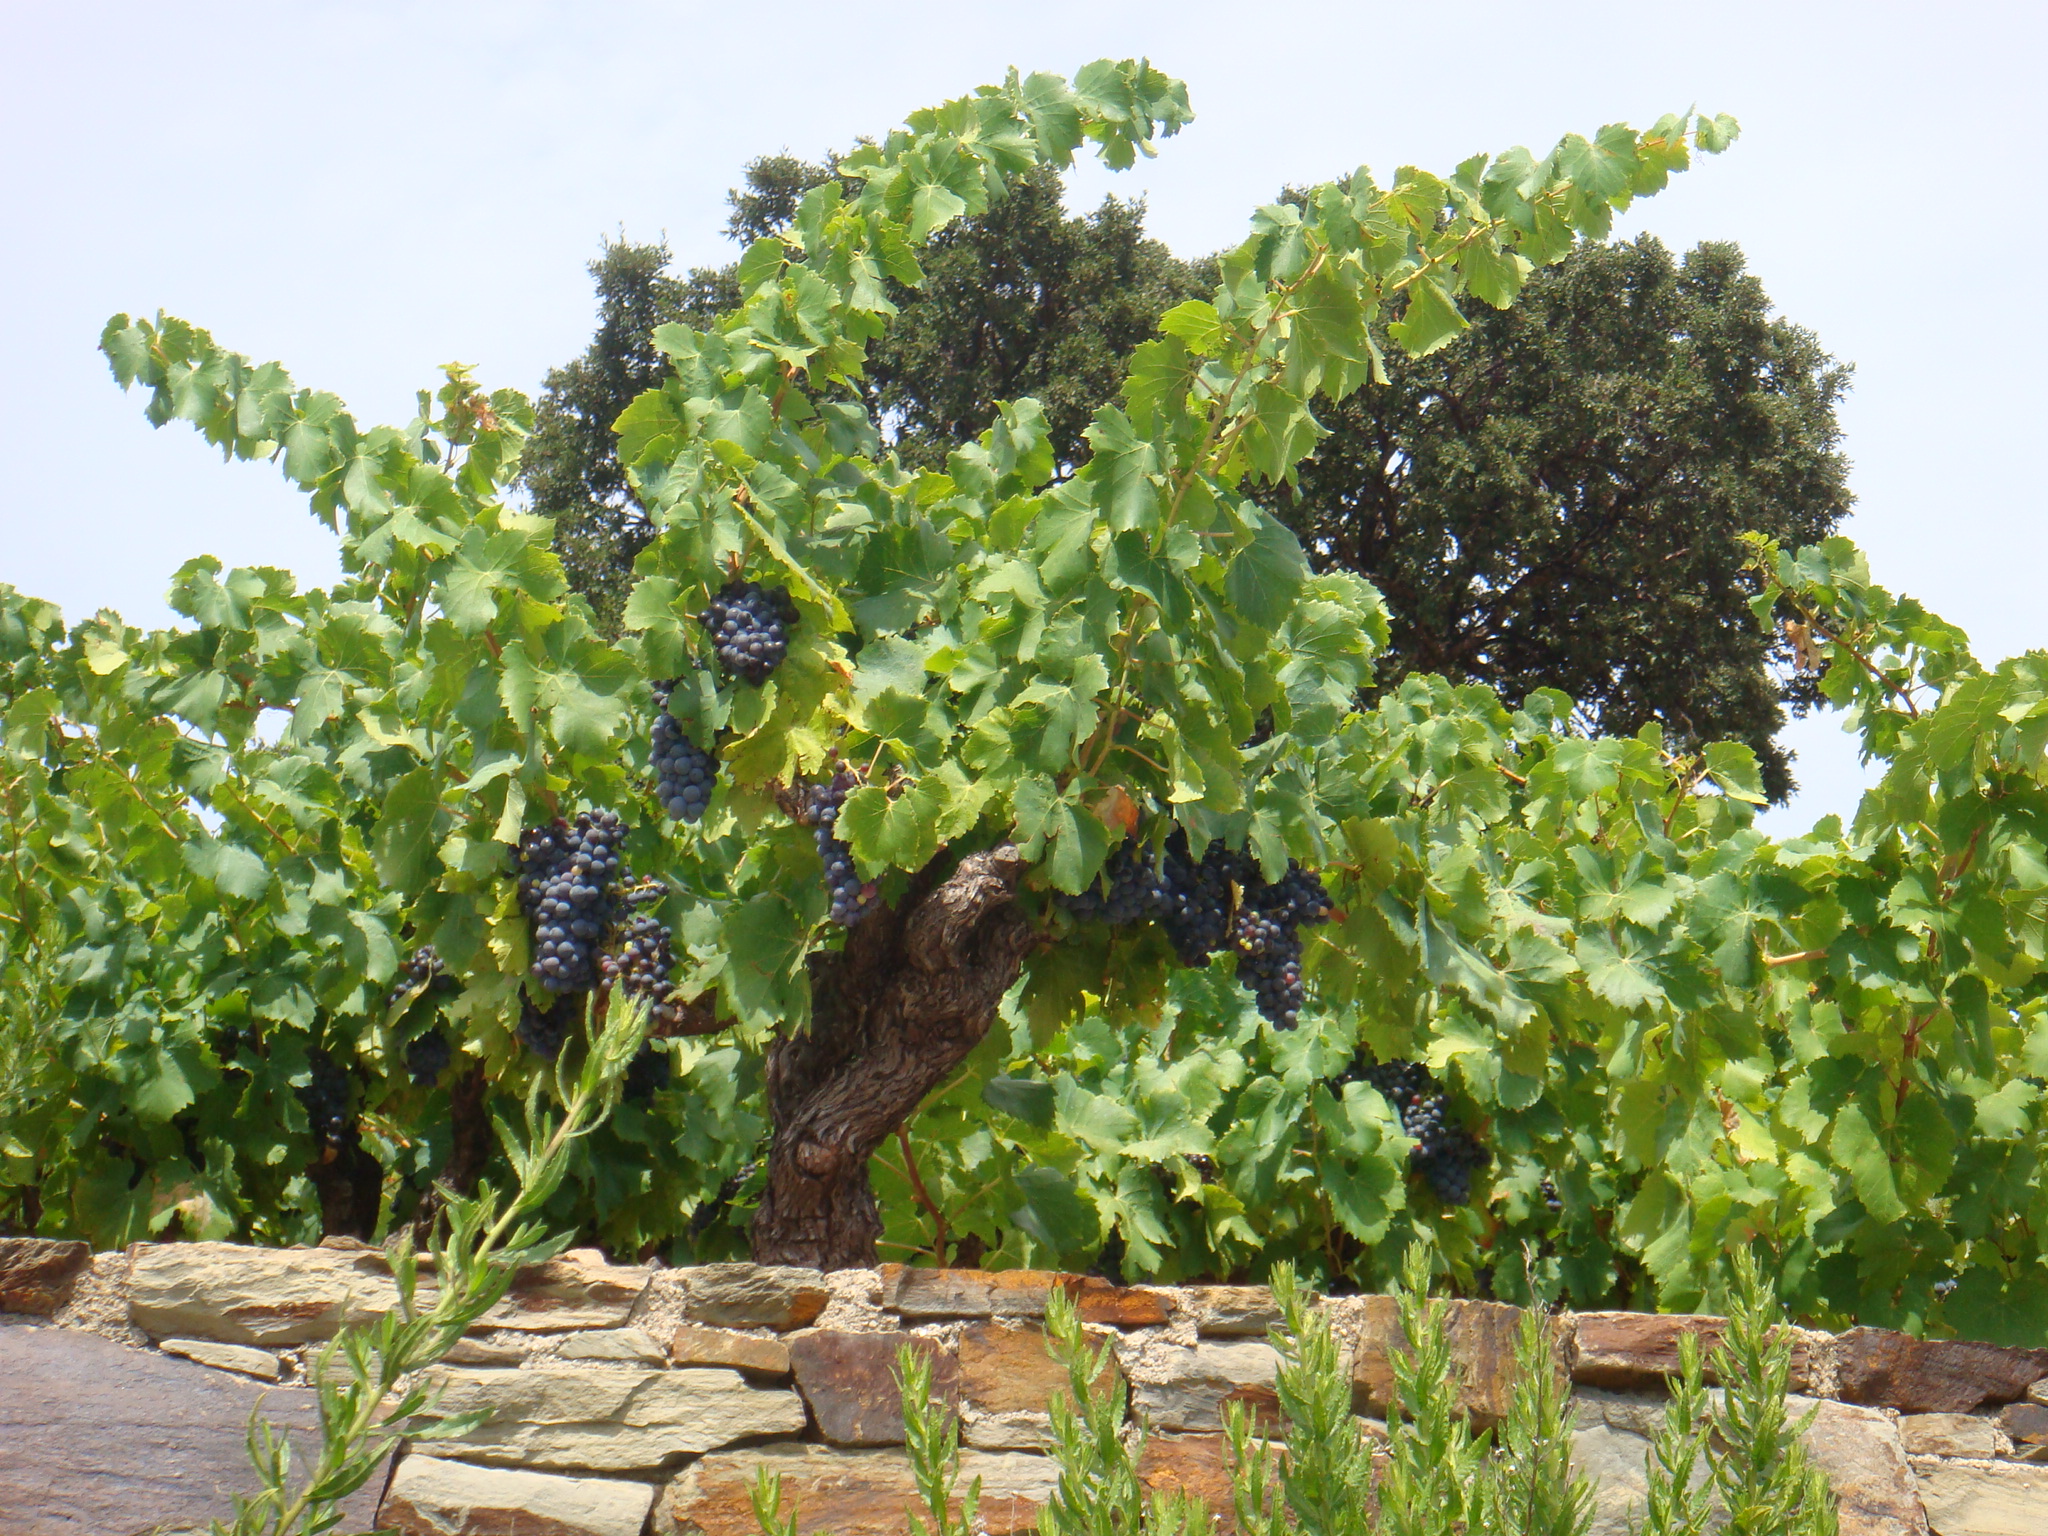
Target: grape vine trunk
913,991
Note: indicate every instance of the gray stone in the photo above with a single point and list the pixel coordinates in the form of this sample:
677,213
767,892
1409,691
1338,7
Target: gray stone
1948,1434
752,1295
36,1272
260,1363
1985,1501
1232,1311
432,1496
1182,1388
1858,1449
271,1296
486,1352
630,1345
98,1439
595,1417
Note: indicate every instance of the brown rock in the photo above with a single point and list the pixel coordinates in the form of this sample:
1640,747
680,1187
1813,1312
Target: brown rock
1193,1464
431,1496
1985,1501
1636,1351
1893,1370
1007,1379
1948,1434
2025,1423
845,1493
753,1295
951,1293
738,1351
1007,1369
849,1381
1482,1337
36,1272
99,1438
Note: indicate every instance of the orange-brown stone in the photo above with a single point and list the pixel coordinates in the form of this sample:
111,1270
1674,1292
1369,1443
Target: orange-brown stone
693,1345
1894,1370
1006,1369
36,1272
1482,1339
968,1293
849,1381
845,1492
1638,1351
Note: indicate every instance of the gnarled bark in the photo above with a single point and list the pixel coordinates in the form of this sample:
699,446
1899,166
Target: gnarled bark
892,1014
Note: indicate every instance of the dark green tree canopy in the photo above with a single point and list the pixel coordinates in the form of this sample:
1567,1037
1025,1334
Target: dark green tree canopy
1555,500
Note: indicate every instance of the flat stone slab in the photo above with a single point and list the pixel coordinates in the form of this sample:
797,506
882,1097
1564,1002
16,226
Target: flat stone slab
1949,1434
846,1492
98,1439
692,1345
1985,1501
1183,1389
260,1363
751,1296
278,1296
1233,1311
934,1294
630,1346
36,1272
564,1417
1638,1351
1894,1370
432,1496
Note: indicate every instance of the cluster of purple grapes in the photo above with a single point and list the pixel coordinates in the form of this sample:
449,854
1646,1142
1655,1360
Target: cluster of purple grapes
749,627
639,966
1214,903
852,898
428,1054
325,1100
568,877
684,772
1446,1155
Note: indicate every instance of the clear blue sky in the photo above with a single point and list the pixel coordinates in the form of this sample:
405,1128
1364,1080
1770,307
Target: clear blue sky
365,191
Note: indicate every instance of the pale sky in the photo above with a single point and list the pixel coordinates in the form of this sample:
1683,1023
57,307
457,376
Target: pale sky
365,191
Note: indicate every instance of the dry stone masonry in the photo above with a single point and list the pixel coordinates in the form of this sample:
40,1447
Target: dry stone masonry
632,1400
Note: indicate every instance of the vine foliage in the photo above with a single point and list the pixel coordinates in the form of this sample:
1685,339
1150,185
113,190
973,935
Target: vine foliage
226,837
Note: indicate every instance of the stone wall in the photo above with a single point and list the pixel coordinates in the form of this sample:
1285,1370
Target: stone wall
633,1400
